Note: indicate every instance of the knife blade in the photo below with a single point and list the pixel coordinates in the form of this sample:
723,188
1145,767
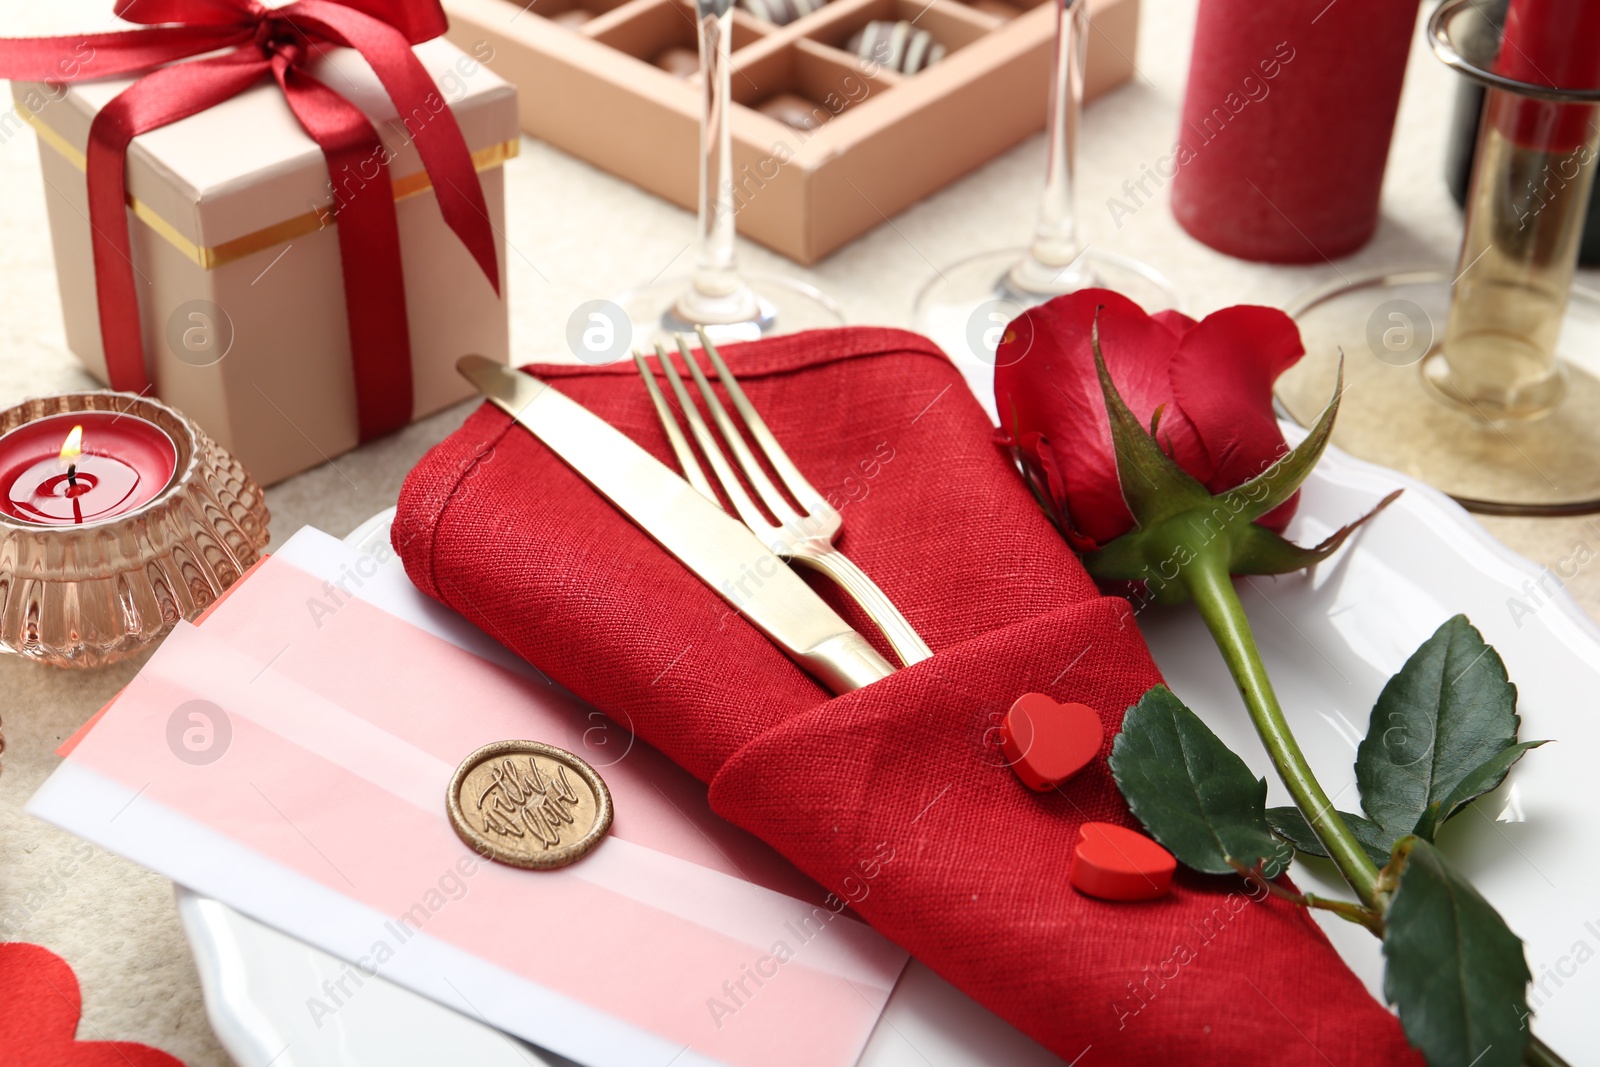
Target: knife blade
719,549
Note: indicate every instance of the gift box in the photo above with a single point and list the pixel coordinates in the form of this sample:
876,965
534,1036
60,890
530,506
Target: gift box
234,243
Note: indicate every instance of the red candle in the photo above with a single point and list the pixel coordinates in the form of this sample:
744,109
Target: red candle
1552,42
1286,124
83,467
1555,43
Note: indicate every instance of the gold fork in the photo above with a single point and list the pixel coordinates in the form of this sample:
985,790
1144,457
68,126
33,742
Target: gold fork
804,537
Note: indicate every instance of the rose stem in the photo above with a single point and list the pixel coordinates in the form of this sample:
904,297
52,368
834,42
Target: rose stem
1211,587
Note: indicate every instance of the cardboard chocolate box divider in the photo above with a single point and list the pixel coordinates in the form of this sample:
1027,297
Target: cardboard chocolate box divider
891,140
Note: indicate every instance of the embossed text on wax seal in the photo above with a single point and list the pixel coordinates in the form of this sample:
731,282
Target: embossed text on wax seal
528,804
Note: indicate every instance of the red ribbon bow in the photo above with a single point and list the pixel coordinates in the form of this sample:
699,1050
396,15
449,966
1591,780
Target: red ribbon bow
280,40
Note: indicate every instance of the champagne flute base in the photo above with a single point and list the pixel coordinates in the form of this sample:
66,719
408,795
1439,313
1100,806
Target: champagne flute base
780,305
1401,410
965,307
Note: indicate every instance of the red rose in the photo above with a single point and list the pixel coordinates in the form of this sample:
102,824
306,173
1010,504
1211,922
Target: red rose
1212,381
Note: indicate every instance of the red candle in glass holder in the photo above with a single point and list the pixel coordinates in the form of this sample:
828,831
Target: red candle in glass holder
83,467
1555,43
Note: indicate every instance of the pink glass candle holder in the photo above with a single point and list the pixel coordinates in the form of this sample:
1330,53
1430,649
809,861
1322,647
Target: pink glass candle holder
109,537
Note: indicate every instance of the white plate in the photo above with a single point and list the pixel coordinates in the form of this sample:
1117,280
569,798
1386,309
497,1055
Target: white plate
1330,638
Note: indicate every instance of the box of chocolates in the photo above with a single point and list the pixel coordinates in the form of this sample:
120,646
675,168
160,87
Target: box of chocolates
845,111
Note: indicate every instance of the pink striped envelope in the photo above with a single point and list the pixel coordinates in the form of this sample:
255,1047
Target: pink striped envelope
290,755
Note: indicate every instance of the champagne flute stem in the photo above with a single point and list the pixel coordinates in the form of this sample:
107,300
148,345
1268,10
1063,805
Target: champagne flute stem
716,273
1055,236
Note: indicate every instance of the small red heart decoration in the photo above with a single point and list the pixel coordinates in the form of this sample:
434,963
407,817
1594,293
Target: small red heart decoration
1046,742
1115,863
39,1009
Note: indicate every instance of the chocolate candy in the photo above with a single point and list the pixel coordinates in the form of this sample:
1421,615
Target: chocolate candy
998,8
678,61
795,111
780,12
572,18
897,46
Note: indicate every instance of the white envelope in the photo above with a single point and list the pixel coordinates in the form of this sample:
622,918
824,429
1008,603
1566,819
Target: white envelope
289,757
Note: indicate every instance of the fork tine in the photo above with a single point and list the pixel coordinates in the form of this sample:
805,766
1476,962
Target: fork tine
763,486
749,514
669,422
801,489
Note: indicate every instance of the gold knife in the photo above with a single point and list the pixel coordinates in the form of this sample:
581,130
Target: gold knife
718,548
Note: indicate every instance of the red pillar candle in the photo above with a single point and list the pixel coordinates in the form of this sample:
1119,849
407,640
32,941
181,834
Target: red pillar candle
1287,122
1555,43
117,463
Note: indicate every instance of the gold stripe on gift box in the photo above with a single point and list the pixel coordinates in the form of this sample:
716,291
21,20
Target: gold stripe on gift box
270,236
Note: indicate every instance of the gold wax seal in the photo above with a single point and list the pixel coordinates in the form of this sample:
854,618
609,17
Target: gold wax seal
528,804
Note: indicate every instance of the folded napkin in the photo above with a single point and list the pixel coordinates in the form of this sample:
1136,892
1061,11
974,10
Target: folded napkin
896,797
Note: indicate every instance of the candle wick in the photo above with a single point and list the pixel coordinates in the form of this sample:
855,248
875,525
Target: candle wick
72,475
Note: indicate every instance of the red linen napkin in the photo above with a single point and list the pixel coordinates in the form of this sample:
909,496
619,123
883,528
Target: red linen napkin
896,797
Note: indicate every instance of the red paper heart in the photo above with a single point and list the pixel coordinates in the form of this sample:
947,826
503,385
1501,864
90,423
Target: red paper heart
1115,863
1046,742
39,1009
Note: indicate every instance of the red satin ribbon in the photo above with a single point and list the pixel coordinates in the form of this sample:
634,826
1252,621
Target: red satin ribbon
252,41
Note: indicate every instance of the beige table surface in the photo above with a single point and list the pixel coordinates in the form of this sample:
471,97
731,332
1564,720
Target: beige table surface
576,234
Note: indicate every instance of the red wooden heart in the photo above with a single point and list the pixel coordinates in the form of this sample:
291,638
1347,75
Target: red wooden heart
39,1008
1115,863
1046,742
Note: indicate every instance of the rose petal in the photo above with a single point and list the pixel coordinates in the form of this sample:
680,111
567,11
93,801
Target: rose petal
1046,388
1176,321
1092,501
1222,376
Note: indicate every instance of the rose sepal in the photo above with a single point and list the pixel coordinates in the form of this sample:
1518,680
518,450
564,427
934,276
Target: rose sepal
1177,520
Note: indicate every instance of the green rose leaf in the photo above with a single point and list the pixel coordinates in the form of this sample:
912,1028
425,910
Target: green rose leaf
1290,825
1485,777
1195,796
1453,968
1447,713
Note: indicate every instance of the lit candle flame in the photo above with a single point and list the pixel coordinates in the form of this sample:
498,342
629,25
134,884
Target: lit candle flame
72,447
